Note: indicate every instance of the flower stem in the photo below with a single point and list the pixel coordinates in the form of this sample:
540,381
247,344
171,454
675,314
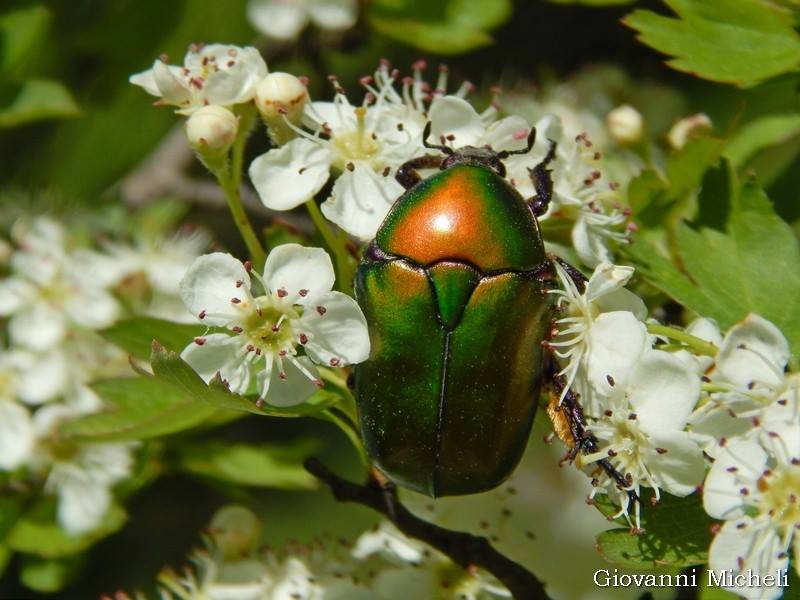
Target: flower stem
231,180
699,345
336,245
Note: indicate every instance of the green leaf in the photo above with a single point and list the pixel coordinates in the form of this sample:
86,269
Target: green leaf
169,367
759,134
49,575
677,534
136,335
742,42
38,533
240,464
138,408
447,27
37,100
594,2
751,266
21,31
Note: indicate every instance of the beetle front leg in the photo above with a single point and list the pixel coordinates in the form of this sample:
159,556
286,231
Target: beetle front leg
542,183
407,175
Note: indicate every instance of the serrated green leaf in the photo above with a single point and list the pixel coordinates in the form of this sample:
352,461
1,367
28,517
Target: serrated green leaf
136,335
241,464
752,266
138,408
38,533
742,42
37,100
759,134
449,27
49,575
677,534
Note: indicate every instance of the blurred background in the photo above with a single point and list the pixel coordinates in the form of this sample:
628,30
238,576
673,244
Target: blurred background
79,139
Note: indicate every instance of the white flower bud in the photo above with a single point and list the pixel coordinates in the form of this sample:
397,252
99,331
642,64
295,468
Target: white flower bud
281,97
625,124
687,128
211,131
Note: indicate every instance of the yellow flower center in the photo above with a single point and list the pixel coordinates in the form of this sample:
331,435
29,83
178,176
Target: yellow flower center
780,495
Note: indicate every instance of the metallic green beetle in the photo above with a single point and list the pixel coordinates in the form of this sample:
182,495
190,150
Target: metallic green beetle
454,290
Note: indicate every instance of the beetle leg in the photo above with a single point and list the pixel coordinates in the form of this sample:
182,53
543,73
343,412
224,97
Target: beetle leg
407,175
542,183
579,279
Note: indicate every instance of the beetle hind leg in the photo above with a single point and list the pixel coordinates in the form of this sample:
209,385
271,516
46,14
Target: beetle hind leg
407,174
542,183
569,422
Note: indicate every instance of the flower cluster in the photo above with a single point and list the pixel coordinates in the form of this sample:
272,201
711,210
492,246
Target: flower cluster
291,308
55,295
657,410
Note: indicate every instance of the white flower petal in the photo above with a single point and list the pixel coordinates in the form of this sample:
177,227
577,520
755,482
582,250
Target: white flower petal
237,83
510,133
333,14
753,351
277,18
615,342
606,279
288,176
38,326
170,85
295,387
680,469
588,243
147,81
734,545
739,465
221,354
211,283
40,377
662,392
451,115
292,268
93,309
16,435
360,201
82,503
719,420
340,334
14,293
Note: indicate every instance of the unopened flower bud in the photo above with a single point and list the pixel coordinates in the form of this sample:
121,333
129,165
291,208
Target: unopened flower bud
688,128
625,124
281,97
235,530
211,131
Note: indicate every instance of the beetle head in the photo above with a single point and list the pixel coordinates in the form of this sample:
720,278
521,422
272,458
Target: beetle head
484,156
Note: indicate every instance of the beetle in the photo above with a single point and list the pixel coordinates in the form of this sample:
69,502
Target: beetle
454,290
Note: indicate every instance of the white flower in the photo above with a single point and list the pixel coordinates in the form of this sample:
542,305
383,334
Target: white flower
295,308
80,475
17,436
364,143
163,261
52,288
285,19
641,431
459,124
215,74
756,490
602,335
751,392
281,97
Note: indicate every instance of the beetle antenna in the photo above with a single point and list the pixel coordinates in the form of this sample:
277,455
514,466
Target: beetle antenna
529,146
441,147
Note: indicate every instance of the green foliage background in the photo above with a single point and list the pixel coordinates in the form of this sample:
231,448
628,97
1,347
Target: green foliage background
720,224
